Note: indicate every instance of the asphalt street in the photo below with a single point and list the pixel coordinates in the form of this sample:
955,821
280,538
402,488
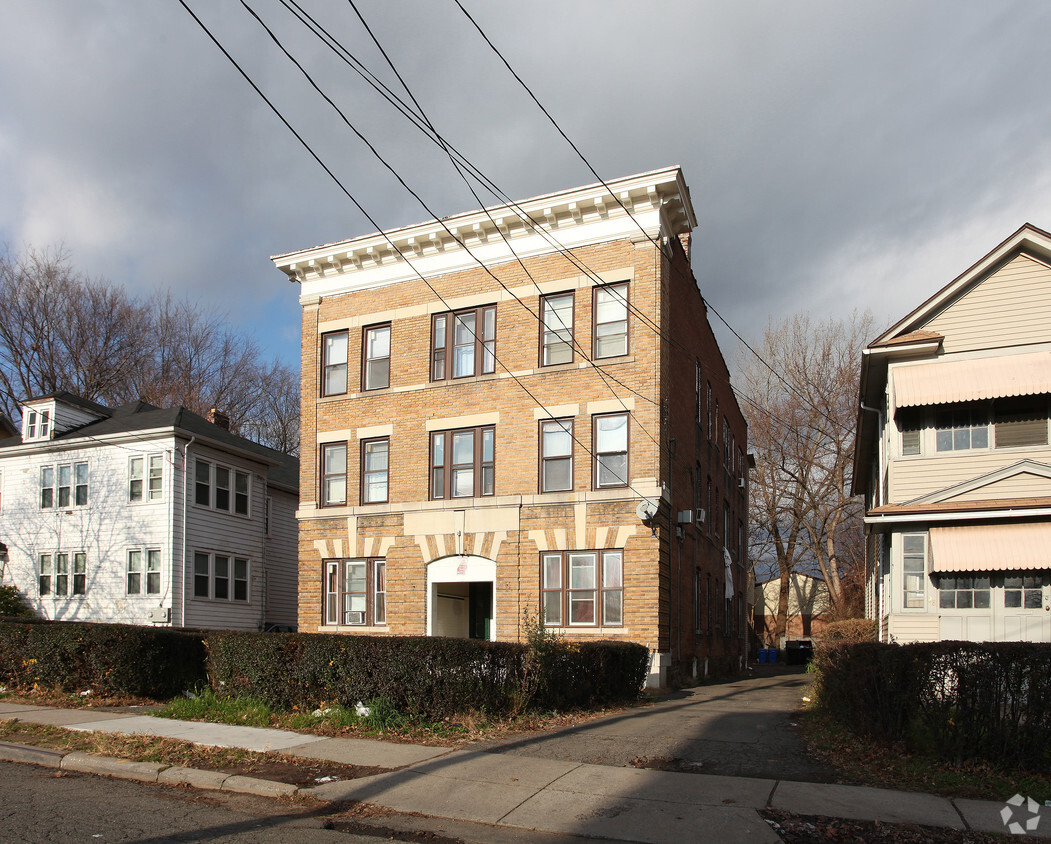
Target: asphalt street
741,727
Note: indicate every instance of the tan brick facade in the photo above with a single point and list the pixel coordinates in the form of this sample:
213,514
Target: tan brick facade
434,550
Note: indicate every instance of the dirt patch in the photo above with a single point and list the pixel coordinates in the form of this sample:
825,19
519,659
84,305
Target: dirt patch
668,763
814,829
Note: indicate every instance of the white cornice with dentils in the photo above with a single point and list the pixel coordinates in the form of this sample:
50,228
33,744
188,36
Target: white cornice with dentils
658,202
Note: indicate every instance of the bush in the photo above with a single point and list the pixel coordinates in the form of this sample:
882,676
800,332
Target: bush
423,677
13,604
109,659
957,700
849,630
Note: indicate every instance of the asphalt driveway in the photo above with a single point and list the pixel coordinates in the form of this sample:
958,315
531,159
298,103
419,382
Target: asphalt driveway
740,727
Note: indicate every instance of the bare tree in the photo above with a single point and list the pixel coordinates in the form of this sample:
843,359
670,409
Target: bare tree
60,330
802,423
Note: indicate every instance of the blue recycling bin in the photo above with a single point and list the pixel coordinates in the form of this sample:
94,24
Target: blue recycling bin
761,656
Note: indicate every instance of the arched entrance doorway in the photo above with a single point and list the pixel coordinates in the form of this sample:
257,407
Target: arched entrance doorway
461,597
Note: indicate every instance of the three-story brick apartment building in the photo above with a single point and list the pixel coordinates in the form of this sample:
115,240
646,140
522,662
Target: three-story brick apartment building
493,406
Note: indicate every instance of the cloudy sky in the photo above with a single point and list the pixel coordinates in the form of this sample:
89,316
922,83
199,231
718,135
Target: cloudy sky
839,154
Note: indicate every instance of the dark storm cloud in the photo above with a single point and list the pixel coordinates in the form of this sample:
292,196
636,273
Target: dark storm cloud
840,155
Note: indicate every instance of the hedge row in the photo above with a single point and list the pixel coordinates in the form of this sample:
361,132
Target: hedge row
109,659
958,700
425,677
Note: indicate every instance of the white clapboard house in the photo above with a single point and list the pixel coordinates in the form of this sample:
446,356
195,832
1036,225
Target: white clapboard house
143,515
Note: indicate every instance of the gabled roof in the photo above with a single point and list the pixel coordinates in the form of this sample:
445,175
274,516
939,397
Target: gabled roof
70,398
1028,239
143,416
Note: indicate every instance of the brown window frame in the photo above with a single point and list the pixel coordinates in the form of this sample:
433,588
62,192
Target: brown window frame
326,366
544,345
598,591
366,360
364,472
324,474
625,296
478,464
445,353
335,608
567,426
596,463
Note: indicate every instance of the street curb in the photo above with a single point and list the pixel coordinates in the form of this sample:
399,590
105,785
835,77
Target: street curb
34,755
123,768
149,772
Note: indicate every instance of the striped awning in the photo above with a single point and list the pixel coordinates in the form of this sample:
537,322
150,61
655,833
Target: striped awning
1004,547
970,380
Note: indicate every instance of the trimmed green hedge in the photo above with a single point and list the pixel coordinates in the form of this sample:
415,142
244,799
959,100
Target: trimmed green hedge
420,676
110,659
957,700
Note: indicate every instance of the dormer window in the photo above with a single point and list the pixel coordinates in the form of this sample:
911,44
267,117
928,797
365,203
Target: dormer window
38,424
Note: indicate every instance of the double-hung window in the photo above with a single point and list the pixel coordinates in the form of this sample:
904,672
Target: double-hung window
914,553
611,320
463,463
65,485
334,474
220,577
144,572
375,365
556,455
463,343
145,488
334,363
611,450
38,424
375,463
220,487
556,330
961,428
356,592
56,578
1020,421
583,588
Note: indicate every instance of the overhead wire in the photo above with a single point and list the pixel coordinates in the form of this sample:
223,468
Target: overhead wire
353,199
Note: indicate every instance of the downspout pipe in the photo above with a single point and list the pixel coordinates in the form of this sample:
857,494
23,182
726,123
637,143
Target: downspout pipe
185,484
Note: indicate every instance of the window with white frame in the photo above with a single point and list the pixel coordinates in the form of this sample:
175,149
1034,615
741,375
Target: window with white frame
375,466
145,478
220,577
556,329
463,343
556,455
64,485
914,569
221,488
144,571
611,321
961,427
56,577
963,592
37,425
463,463
583,588
334,363
375,365
356,592
611,450
1024,591
333,474
1020,421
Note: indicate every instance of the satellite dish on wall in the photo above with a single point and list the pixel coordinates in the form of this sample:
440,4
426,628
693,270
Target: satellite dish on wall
646,510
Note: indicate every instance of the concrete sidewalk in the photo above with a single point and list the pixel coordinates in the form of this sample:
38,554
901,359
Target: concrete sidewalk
547,795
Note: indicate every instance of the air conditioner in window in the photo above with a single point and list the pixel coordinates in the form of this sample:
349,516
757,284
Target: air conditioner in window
699,515
161,615
741,482
684,517
355,618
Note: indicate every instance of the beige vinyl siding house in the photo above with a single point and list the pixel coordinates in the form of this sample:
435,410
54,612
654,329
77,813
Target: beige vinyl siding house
954,456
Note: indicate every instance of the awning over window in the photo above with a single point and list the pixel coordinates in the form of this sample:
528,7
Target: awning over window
1010,547
971,380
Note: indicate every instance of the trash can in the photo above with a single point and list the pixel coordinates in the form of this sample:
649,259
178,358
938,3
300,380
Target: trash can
771,656
761,656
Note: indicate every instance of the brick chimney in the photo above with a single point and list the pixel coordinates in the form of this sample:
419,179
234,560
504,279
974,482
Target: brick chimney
217,417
